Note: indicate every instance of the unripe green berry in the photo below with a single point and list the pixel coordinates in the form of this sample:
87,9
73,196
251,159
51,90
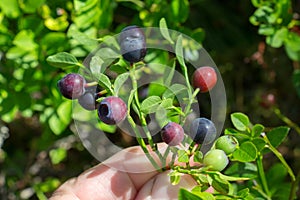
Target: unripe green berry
216,159
227,143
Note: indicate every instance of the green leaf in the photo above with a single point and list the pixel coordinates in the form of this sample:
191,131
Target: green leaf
82,38
219,184
25,40
292,41
166,103
198,156
56,124
239,169
197,190
161,116
187,195
104,81
292,54
174,177
259,144
96,66
64,112
247,152
57,155
179,10
30,6
120,80
240,121
243,193
266,29
278,38
277,135
169,73
150,104
257,129
230,131
164,30
63,60
10,8
174,90
179,51
182,156
276,174
296,81
231,178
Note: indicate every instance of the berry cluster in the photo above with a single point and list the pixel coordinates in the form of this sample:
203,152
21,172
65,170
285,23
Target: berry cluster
112,110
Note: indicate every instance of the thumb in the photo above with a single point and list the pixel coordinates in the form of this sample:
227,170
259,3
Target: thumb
159,187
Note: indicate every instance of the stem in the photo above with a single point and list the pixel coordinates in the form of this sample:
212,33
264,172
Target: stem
286,120
294,187
94,83
280,157
261,192
261,174
144,124
143,144
188,107
141,115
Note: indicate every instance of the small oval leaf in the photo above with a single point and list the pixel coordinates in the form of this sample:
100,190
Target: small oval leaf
247,152
62,60
149,104
240,121
164,30
120,80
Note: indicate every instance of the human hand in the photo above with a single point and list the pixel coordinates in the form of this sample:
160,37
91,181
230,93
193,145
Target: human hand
126,175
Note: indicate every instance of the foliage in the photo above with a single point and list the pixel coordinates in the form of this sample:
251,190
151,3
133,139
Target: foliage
41,149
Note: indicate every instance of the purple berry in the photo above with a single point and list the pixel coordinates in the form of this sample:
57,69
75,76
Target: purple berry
172,134
203,131
133,44
72,86
112,110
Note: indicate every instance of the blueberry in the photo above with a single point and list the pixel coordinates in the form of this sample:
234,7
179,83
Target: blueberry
216,159
133,44
112,110
72,86
88,101
203,131
227,143
204,78
172,134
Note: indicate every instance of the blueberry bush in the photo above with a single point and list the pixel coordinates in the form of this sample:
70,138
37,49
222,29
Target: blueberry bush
51,66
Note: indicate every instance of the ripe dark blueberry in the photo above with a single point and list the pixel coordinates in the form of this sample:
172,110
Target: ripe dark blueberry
88,101
227,143
204,78
203,131
216,159
72,86
112,110
133,44
172,134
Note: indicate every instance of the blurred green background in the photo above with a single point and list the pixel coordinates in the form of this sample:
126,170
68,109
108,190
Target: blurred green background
255,44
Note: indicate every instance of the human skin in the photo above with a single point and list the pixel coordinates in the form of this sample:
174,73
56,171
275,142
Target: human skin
126,175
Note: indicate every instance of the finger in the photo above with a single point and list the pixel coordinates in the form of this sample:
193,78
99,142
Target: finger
100,182
160,187
116,178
